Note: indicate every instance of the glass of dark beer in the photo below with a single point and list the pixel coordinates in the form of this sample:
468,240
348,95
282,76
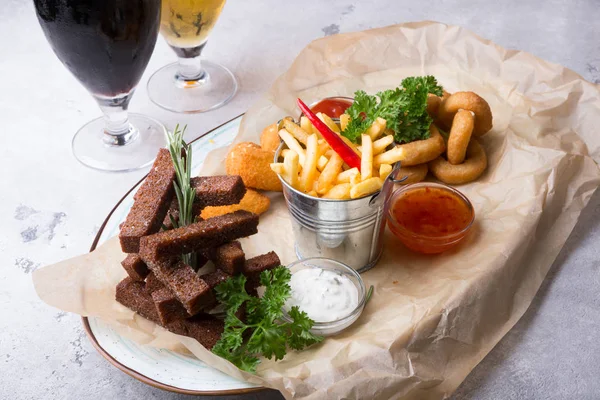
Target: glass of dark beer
107,44
190,85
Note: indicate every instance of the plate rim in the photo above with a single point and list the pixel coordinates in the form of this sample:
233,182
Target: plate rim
129,371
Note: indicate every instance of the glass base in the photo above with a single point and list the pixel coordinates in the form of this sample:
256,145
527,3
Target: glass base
134,150
215,88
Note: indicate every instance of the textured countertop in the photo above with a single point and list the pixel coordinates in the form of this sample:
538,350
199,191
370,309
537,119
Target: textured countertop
52,206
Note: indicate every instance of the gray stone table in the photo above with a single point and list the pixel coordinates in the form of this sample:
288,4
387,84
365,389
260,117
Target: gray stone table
52,206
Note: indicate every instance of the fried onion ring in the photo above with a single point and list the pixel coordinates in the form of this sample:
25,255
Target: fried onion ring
460,135
474,165
423,151
414,174
445,95
467,101
433,105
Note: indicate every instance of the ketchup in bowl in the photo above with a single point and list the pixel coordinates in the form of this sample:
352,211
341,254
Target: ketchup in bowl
332,106
430,218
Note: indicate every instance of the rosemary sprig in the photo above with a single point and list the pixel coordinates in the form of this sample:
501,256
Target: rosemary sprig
181,154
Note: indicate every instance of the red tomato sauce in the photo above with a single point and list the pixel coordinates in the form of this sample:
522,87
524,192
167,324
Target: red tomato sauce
331,107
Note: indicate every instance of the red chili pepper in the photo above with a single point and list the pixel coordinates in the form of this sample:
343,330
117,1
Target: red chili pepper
336,143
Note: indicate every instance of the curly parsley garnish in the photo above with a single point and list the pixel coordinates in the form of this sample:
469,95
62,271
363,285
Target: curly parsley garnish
404,109
266,333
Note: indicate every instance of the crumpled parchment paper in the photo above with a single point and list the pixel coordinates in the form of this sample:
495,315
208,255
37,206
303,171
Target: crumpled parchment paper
431,318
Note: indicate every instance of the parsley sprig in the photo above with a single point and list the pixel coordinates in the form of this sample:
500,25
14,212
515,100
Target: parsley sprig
266,332
403,108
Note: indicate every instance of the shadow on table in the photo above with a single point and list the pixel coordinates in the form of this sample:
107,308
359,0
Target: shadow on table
509,370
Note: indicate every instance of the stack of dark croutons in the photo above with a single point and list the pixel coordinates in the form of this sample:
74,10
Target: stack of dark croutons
160,286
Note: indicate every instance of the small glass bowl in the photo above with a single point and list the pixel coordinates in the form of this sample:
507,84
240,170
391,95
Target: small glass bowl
333,327
422,243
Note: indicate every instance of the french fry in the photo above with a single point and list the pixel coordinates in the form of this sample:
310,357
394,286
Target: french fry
377,128
309,169
366,158
349,143
382,143
277,168
384,170
314,186
300,134
366,187
345,176
291,168
329,174
344,121
340,192
329,122
306,125
284,152
310,165
389,157
323,146
292,144
322,162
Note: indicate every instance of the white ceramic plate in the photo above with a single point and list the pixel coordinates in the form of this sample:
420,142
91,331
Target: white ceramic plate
162,368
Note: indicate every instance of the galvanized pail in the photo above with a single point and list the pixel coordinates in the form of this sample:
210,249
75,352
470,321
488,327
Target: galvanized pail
349,231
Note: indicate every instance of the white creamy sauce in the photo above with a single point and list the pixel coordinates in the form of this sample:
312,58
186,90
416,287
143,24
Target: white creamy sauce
324,295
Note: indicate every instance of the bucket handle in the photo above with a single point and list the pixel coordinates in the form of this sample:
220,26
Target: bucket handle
386,190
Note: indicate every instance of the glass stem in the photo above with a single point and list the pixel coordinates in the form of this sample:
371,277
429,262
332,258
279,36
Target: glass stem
190,69
190,65
117,130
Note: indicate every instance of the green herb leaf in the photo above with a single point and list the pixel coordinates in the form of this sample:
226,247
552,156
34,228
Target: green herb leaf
267,336
234,337
239,357
245,361
181,154
277,291
360,119
414,120
232,293
268,339
403,108
299,330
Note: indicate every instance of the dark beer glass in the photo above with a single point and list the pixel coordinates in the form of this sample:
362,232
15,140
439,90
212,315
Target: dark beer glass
106,44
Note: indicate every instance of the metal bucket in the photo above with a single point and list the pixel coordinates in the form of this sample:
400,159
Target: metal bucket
348,231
